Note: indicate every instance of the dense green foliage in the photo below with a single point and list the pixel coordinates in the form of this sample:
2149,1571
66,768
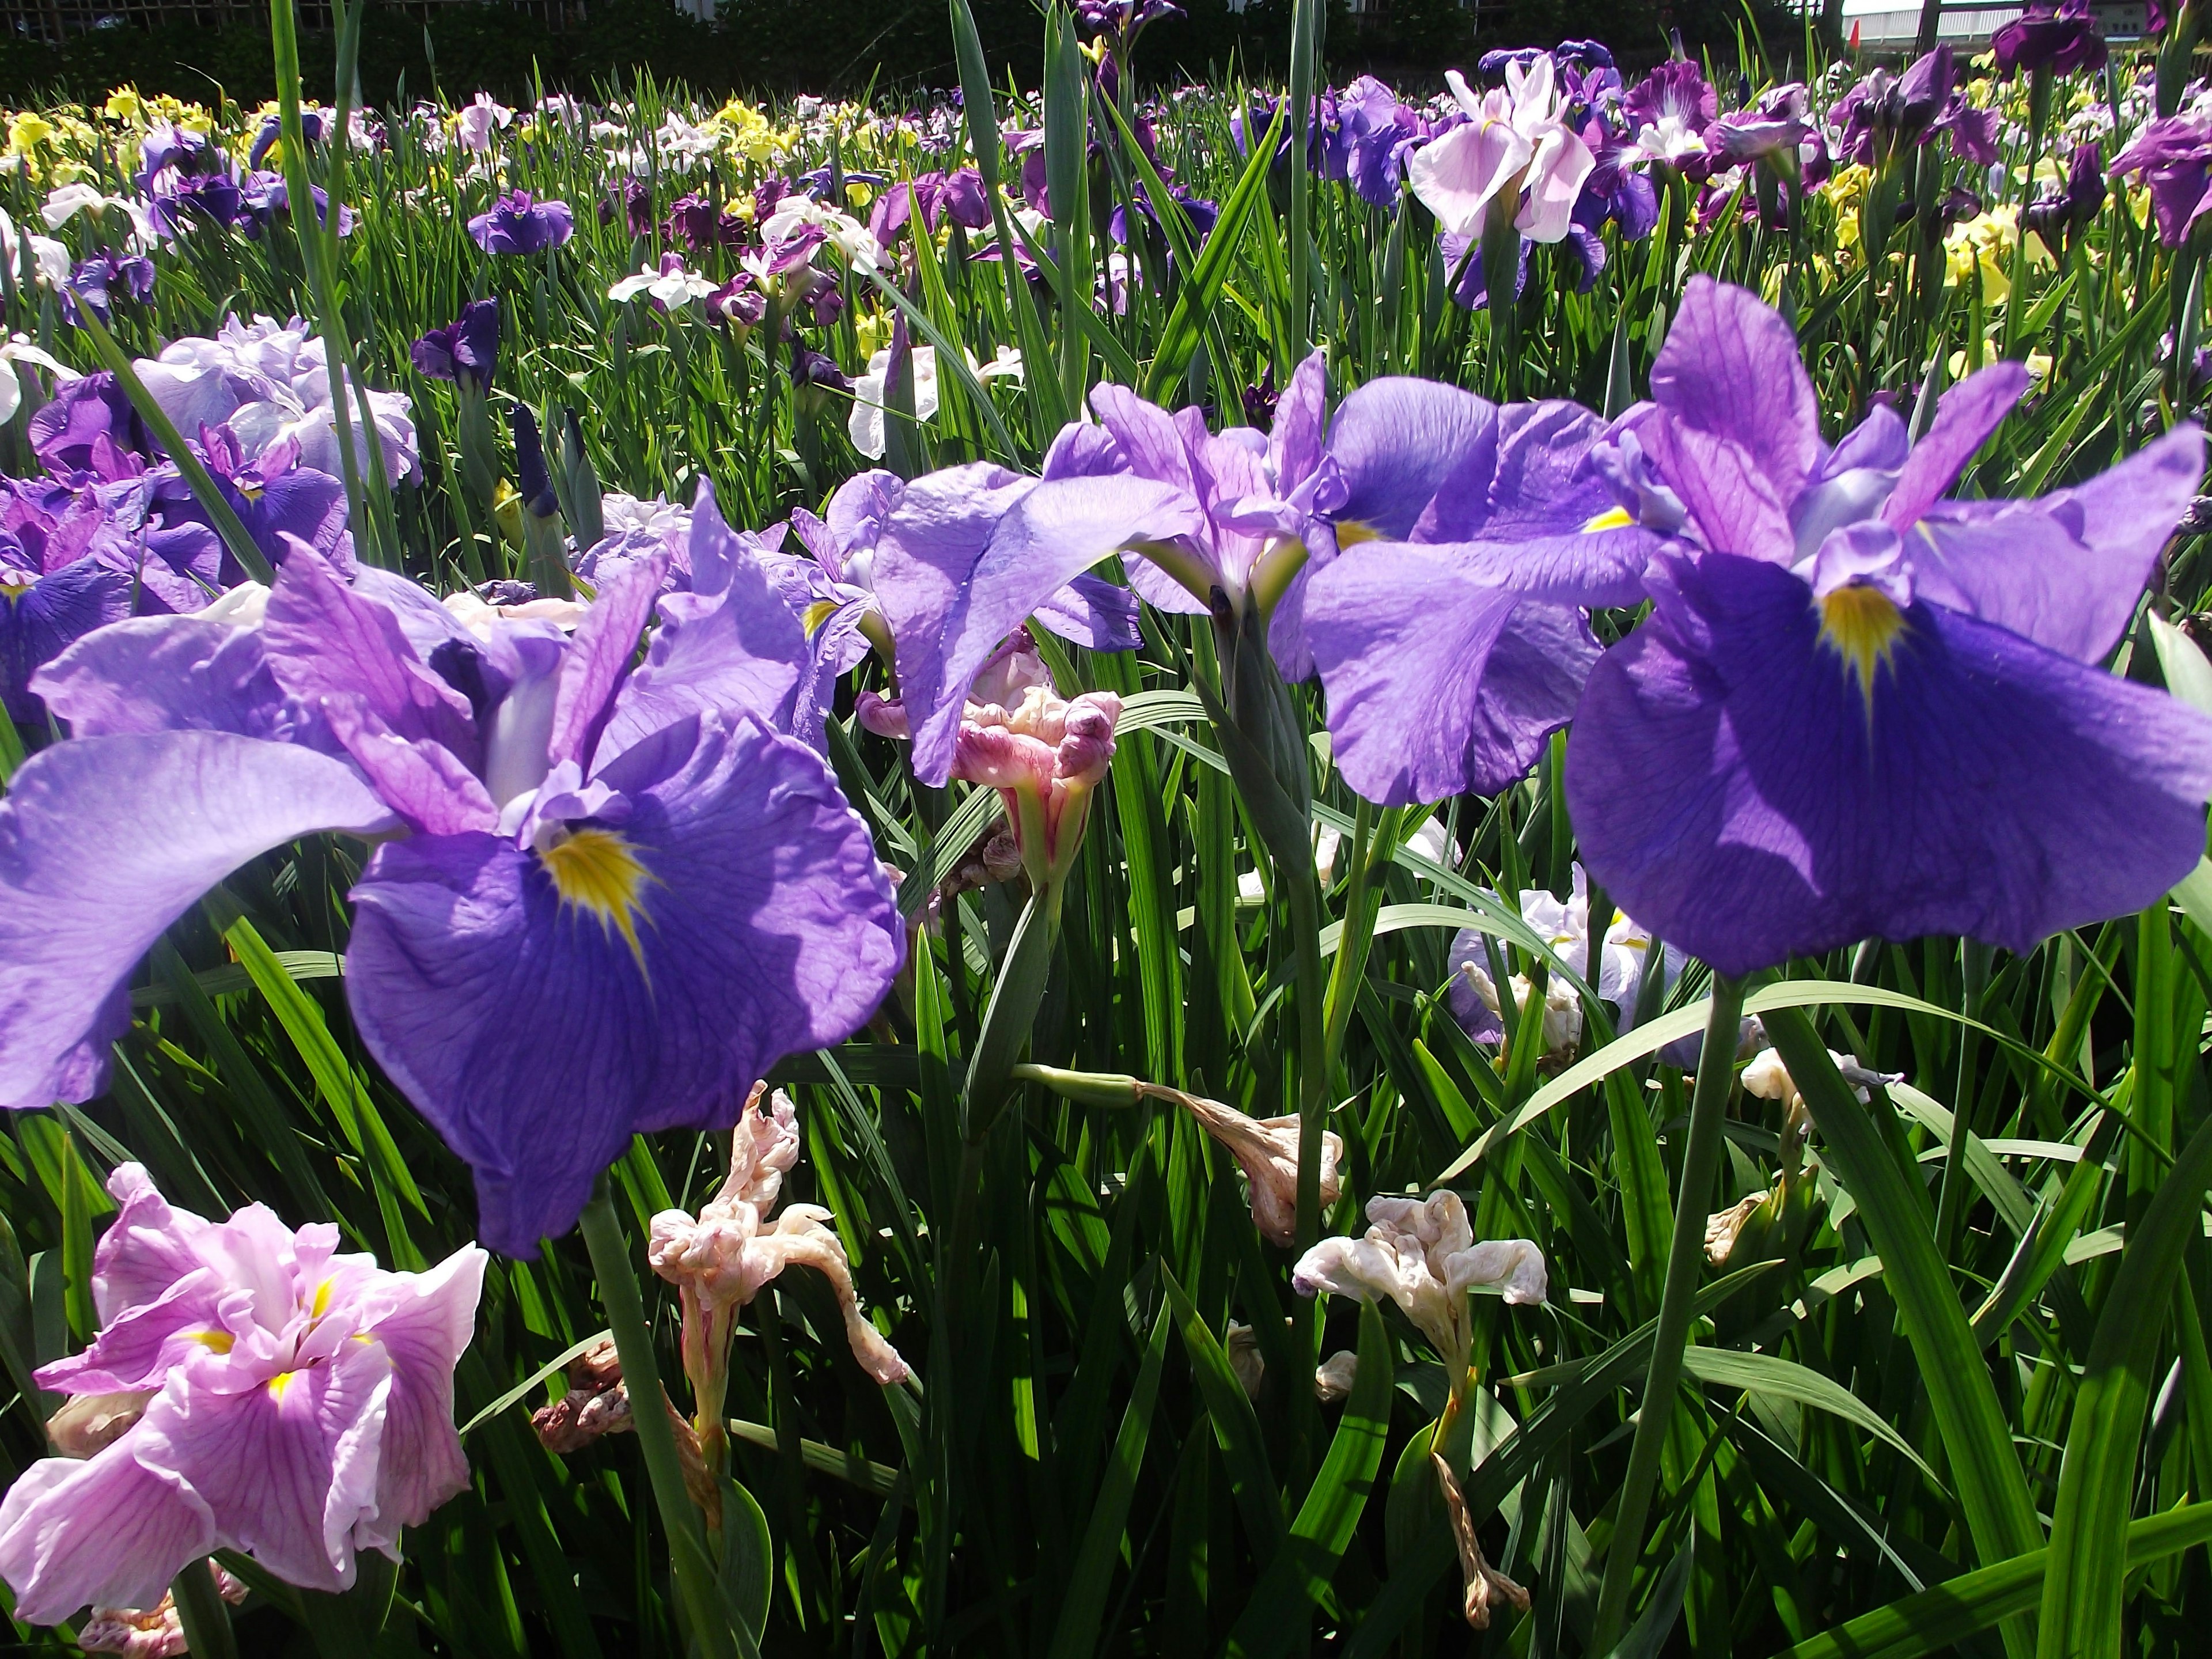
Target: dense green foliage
1968,1363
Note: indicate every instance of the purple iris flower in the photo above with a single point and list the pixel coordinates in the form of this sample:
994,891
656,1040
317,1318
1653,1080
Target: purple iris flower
272,129
250,1388
1884,113
84,430
1200,216
606,896
215,197
465,350
2060,38
633,200
98,281
2173,157
1772,131
936,196
886,547
1447,629
1858,709
2060,216
1373,134
516,224
42,613
1675,91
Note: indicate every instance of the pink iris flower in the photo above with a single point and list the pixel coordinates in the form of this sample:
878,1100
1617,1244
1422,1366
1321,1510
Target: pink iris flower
1515,140
251,1389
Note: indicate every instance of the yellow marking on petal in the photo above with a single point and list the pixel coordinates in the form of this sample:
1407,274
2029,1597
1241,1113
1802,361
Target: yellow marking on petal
221,1342
1860,625
1613,517
595,870
817,614
1350,532
321,1305
278,1383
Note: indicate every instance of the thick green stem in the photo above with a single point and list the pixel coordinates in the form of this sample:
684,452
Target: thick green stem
625,1310
1303,887
1358,933
200,1608
1700,1163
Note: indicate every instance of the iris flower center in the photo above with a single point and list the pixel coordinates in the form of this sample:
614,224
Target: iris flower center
1613,517
817,614
1861,624
595,870
1350,532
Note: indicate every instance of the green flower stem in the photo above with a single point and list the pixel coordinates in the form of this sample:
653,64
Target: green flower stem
200,1608
1303,887
300,199
1700,1163
694,1576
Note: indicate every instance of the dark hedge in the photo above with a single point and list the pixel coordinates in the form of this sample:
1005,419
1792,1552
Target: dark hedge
830,46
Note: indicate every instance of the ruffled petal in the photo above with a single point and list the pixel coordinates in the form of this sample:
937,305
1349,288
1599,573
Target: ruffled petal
107,1532
164,674
105,842
741,650
1396,441
1964,417
537,1043
2064,569
287,1466
972,552
422,1321
1730,368
1404,638
1737,792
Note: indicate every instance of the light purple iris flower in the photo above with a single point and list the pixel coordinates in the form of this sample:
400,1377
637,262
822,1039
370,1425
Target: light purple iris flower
516,224
605,898
964,557
1858,709
1449,636
251,1389
2173,158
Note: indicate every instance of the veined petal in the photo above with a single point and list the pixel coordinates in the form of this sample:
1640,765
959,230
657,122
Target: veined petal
599,654
1556,175
1405,638
969,558
323,640
1730,368
105,842
1454,176
108,1532
2064,569
163,674
1095,613
535,1042
1965,416
146,1248
1745,795
1396,441
739,650
422,1321
286,1466
1734,502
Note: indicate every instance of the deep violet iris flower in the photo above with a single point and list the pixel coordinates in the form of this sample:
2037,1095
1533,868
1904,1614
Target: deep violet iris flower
2060,38
604,898
251,1389
516,224
1448,630
1858,709
465,350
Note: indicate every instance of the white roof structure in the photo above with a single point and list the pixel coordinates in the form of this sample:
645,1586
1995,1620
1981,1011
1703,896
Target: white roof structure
1892,24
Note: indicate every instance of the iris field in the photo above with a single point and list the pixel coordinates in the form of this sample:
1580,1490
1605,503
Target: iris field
1248,869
